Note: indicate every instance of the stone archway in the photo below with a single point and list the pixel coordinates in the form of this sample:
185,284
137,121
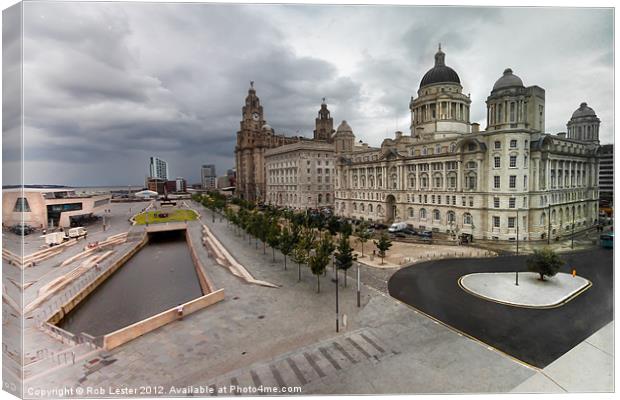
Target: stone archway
390,208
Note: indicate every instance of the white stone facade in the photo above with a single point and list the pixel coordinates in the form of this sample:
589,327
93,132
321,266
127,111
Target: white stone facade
450,177
301,175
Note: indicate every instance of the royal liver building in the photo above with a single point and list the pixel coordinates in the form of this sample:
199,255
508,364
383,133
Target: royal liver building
449,176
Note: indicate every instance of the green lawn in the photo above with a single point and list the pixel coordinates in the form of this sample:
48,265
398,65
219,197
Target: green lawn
152,217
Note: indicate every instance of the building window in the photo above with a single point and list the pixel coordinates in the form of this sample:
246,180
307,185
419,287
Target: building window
467,219
512,202
410,212
463,201
21,205
513,161
498,162
511,222
437,149
436,215
496,182
513,143
496,202
471,201
495,222
498,144
512,183
422,213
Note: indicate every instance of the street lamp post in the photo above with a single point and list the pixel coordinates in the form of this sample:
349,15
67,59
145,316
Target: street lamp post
337,312
358,285
517,231
549,224
572,236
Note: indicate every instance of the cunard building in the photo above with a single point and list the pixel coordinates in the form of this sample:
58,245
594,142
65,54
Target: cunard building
449,176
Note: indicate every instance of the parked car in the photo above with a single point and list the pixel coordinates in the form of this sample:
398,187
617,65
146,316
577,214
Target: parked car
409,231
379,226
21,229
397,227
426,234
399,235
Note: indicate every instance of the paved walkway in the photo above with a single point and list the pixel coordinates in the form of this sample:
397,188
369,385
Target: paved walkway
588,367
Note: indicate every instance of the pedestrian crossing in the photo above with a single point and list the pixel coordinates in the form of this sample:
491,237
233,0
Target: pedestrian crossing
303,366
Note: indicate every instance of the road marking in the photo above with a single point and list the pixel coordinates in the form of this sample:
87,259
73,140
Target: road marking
372,342
344,353
358,347
296,370
256,380
314,365
329,358
276,374
235,383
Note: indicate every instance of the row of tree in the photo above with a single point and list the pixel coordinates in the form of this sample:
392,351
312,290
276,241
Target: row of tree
305,237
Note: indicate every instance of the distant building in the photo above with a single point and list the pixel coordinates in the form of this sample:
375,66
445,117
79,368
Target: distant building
181,185
158,168
606,173
49,208
208,177
171,186
223,182
156,185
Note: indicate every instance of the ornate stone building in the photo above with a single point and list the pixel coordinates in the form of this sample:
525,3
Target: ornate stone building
253,139
448,176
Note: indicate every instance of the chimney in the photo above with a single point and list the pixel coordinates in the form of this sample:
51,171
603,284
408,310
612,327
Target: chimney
475,127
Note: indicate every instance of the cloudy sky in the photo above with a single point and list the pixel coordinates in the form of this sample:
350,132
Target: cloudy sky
108,84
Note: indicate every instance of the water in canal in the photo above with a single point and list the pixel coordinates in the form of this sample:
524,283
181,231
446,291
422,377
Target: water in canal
157,278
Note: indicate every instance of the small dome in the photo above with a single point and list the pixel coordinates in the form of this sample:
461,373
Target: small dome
267,127
344,128
584,111
508,80
440,73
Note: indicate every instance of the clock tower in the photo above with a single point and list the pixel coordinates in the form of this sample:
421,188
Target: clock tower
324,124
252,112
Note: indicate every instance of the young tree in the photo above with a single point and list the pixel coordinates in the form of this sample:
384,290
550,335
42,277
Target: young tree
318,260
287,243
363,235
544,262
333,225
344,256
300,255
346,229
383,245
273,236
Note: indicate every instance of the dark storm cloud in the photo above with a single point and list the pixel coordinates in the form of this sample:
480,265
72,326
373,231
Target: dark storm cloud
109,84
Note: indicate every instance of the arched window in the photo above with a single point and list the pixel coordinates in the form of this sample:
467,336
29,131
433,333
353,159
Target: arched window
327,198
424,181
354,206
369,207
543,219
424,151
394,181
553,216
437,149
371,181
362,207
362,181
452,147
423,213
471,180
436,215
438,180
320,198
354,181
467,219
452,180
451,217
379,209
412,181
410,211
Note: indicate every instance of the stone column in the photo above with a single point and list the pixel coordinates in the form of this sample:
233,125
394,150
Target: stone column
459,177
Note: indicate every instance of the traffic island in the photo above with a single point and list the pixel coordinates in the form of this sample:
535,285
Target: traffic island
524,289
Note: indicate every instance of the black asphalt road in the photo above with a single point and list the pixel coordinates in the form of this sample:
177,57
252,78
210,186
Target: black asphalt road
535,336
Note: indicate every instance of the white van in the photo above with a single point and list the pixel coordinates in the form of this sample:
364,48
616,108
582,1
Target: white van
55,238
77,232
397,227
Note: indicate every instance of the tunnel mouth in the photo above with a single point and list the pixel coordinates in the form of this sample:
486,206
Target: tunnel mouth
161,276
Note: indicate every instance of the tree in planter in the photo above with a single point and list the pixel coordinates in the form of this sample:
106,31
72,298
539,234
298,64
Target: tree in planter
286,244
344,256
273,236
544,262
363,235
383,245
318,260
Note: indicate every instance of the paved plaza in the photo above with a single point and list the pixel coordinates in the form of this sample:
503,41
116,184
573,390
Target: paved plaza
284,336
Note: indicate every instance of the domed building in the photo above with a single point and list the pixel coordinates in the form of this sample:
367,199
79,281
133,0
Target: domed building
441,109
453,179
584,124
511,105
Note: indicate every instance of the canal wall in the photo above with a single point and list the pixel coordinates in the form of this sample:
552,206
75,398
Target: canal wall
133,331
82,294
203,279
